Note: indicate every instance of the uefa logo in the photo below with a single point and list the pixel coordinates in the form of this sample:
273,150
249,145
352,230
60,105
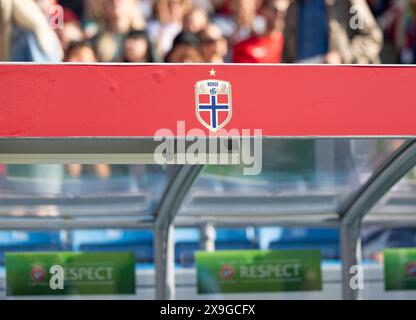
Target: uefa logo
411,269
227,272
38,274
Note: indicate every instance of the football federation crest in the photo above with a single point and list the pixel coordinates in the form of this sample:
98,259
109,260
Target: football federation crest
213,103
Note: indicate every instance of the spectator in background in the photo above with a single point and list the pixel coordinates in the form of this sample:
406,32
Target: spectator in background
243,21
185,49
206,5
137,48
320,31
196,20
80,52
408,49
25,34
102,171
92,16
268,47
213,45
72,31
120,17
391,17
169,16
147,8
47,6
378,7
75,6
221,6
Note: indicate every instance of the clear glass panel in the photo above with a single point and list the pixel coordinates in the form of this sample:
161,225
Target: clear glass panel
139,242
302,176
186,242
375,240
397,208
54,190
399,202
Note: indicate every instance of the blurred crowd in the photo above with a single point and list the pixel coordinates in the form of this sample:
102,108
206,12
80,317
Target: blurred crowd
208,31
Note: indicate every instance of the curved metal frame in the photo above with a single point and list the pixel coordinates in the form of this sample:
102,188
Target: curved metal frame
163,229
389,173
395,168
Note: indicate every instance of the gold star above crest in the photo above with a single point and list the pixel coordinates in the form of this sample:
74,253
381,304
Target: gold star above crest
212,73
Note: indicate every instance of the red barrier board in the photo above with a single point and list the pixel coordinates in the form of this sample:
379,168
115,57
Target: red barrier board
137,100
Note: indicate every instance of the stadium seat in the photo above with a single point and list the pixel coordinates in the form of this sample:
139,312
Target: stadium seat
377,239
187,241
402,238
139,242
235,239
324,239
19,241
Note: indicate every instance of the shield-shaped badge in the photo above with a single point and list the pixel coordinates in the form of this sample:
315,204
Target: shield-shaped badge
213,103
